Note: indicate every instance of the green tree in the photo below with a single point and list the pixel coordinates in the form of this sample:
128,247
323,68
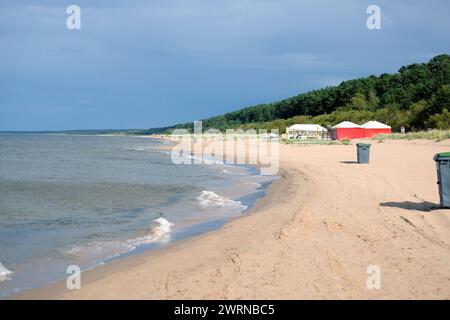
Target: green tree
439,120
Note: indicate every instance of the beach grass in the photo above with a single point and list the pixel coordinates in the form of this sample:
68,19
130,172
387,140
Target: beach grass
315,141
436,135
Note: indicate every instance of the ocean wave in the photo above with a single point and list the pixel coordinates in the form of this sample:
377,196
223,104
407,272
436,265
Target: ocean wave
253,183
213,160
5,274
141,148
209,199
160,228
204,159
159,231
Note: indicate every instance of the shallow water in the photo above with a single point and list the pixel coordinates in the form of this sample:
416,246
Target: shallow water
85,200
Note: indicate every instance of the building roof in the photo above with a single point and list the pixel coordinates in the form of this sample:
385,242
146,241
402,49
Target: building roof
347,124
375,125
306,127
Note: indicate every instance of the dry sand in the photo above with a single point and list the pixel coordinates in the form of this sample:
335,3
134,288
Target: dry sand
322,224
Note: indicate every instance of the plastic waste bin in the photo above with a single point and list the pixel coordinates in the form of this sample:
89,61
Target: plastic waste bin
443,174
363,152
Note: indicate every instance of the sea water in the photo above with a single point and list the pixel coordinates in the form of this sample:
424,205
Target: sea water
86,200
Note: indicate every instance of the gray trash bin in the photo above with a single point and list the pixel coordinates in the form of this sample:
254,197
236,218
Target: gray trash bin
363,152
443,174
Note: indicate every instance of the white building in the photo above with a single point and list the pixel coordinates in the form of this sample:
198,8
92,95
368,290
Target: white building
306,131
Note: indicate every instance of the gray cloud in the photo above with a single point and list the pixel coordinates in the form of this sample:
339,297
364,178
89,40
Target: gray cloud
150,63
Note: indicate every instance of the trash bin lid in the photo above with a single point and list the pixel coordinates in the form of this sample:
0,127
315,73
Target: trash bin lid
444,154
367,145
441,155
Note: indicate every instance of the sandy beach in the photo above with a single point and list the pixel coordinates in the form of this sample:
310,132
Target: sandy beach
322,224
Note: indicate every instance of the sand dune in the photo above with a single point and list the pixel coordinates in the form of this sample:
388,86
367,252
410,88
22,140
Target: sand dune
313,237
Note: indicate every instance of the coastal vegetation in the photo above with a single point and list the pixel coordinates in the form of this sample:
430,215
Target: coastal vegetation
417,97
436,135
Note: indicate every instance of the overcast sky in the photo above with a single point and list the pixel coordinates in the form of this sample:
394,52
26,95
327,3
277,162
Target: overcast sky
141,64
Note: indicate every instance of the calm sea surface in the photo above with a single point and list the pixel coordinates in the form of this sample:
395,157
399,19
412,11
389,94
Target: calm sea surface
85,200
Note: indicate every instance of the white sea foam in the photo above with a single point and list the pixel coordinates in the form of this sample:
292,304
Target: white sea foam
142,148
203,159
212,160
159,232
210,199
253,183
5,274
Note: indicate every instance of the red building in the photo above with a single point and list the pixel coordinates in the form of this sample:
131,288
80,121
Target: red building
347,130
372,128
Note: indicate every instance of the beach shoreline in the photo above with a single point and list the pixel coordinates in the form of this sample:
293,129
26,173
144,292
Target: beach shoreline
57,290
313,236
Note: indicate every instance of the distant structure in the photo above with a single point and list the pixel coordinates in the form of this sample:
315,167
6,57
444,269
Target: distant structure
306,131
372,128
341,131
347,130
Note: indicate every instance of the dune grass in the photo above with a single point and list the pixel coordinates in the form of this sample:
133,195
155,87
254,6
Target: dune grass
315,141
436,135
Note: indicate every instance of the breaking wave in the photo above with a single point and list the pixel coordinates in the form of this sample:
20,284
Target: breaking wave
5,274
142,148
159,230
208,199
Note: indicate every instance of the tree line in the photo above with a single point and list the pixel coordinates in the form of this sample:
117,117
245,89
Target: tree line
416,97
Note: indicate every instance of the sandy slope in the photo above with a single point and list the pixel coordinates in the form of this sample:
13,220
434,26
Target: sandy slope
313,237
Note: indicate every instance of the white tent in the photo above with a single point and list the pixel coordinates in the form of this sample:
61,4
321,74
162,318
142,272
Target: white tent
346,124
306,131
373,128
347,130
375,125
